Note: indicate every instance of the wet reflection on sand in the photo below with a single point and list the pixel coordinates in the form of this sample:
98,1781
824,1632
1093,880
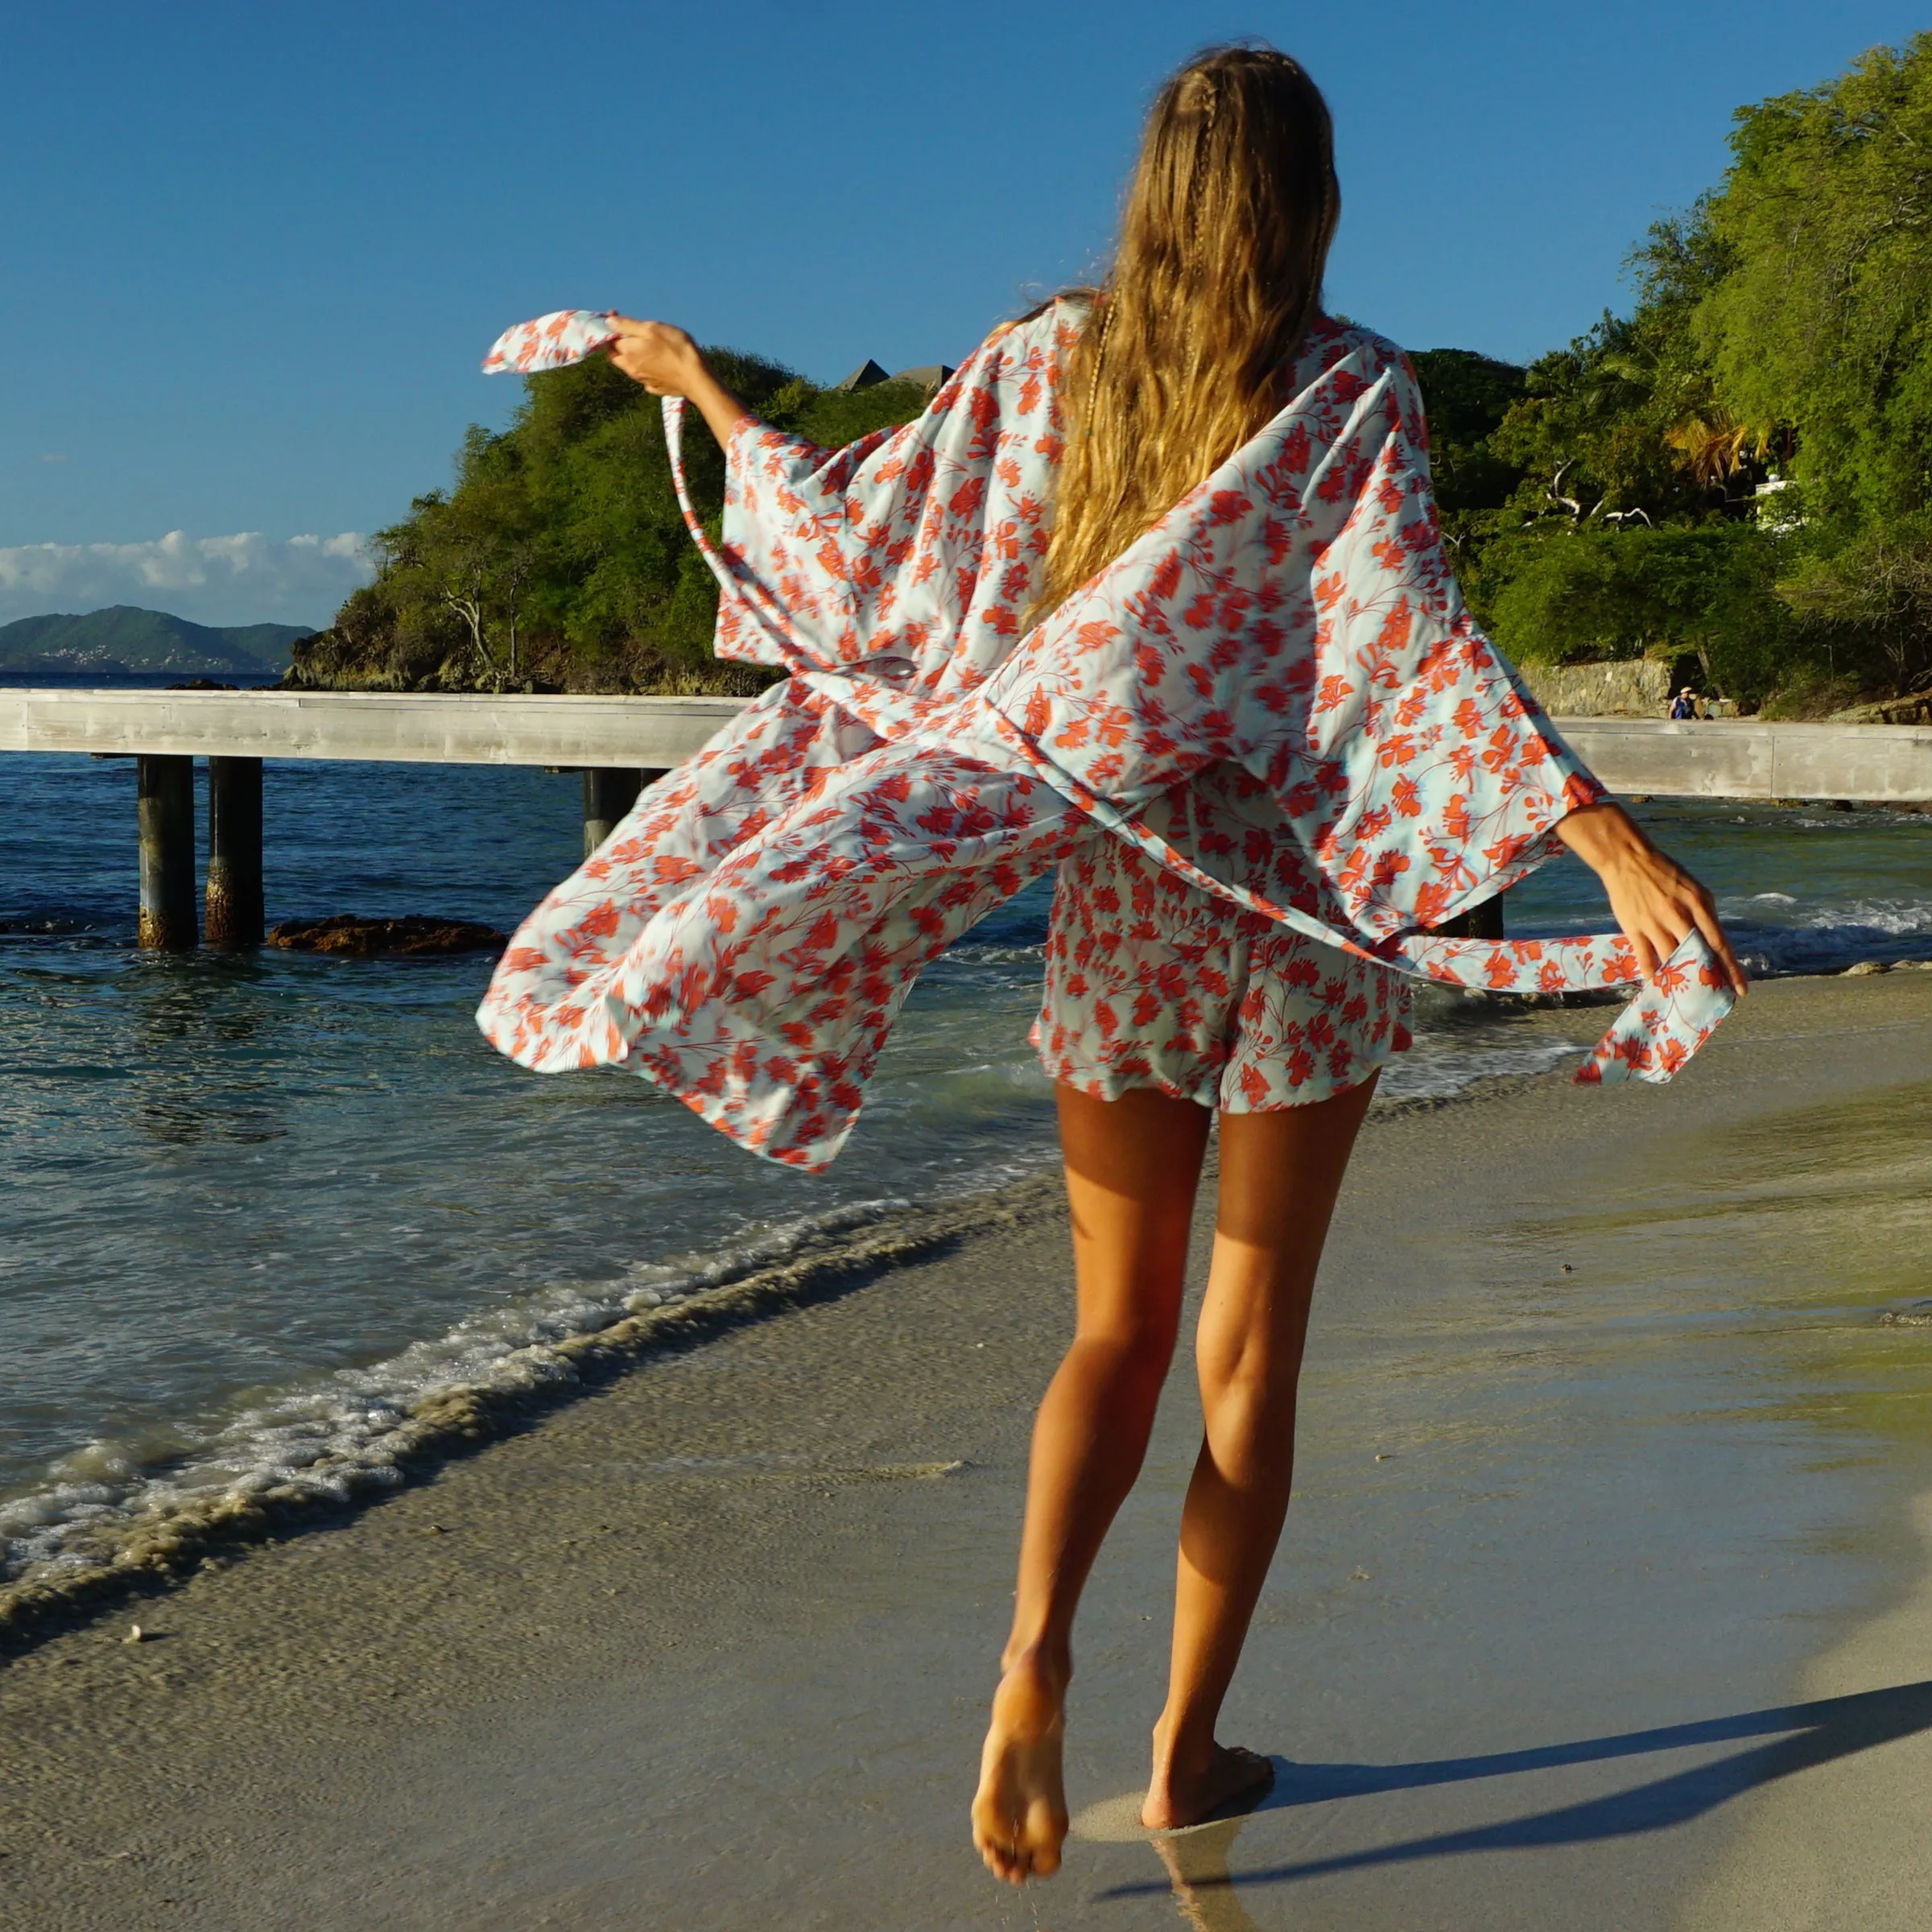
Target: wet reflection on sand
1196,1862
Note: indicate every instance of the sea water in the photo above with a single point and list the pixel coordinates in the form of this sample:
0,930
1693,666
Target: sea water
252,1207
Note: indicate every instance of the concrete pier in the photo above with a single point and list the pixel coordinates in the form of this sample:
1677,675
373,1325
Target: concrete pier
235,915
165,791
1879,764
620,744
418,727
1745,758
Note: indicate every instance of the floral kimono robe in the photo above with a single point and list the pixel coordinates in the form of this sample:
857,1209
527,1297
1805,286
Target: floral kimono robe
1276,693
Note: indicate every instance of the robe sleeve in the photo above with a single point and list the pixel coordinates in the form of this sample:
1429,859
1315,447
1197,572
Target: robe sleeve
784,565
1455,779
1276,690
909,552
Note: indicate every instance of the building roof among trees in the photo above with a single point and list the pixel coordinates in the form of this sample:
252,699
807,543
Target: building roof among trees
927,376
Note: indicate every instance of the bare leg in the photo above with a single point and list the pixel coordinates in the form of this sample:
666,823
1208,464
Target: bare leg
1280,1175
1132,1165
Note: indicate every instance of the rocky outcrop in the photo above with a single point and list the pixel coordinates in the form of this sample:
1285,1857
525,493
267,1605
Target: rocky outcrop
1915,709
410,936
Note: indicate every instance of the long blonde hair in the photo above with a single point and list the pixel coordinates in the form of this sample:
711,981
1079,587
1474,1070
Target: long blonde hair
1215,282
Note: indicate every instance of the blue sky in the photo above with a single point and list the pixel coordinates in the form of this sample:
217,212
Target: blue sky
253,253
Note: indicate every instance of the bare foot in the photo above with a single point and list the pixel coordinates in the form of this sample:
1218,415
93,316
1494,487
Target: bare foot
1178,1799
1019,1813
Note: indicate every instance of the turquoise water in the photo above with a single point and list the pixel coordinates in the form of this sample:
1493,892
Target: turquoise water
251,1208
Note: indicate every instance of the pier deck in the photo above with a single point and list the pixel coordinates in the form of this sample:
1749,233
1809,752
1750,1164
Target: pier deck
620,744
1743,758
1739,758
415,727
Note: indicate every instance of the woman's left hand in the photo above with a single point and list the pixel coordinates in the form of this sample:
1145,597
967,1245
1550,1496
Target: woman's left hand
1654,899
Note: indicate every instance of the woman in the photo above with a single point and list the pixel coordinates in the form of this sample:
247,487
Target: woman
1229,643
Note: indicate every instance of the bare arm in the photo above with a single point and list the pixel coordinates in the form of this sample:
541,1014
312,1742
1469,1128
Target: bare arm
1654,899
668,363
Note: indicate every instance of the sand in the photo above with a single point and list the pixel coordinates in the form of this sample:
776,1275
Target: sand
1605,1601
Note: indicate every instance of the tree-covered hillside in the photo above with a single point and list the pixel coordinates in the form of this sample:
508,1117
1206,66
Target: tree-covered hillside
1467,397
1738,471
126,638
1741,467
560,561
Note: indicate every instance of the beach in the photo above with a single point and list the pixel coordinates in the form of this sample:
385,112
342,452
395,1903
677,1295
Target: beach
1610,1543
259,1210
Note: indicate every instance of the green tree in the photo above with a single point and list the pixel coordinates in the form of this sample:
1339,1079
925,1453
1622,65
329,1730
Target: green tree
1821,320
1818,333
1708,590
558,557
1467,397
1782,332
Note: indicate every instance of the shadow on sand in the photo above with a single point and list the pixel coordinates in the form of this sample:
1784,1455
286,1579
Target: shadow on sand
1804,1735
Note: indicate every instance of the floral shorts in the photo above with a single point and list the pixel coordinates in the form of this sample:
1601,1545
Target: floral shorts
1151,982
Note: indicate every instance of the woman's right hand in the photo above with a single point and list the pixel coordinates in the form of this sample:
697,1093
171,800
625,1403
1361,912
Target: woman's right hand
659,355
667,362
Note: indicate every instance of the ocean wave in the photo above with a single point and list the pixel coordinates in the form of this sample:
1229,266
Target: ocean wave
1433,1071
348,1432
995,952
1827,938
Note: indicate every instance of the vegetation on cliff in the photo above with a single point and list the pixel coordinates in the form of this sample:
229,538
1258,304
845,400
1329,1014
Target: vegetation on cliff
1738,469
1738,472
560,561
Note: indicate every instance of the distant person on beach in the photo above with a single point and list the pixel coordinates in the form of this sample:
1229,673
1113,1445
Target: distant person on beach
1251,723
1684,704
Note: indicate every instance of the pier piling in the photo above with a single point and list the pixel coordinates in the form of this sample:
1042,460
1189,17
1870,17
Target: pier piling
235,916
165,790
609,792
1482,922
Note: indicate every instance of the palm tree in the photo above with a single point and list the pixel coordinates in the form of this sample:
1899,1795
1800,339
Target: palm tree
1714,444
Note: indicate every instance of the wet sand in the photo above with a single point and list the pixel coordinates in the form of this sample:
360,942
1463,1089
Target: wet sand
1605,1600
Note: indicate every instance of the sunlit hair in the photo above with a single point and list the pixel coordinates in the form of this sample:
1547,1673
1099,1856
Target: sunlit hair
1216,278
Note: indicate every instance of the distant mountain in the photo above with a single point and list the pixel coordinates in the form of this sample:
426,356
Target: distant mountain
124,638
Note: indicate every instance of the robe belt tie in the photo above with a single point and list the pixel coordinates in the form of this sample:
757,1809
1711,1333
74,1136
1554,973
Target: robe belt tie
1667,1022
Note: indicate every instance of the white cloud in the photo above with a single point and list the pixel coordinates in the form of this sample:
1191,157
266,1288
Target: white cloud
245,579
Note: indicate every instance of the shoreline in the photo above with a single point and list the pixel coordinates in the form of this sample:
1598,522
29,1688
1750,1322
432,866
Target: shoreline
142,1552
149,1546
710,1645
170,1520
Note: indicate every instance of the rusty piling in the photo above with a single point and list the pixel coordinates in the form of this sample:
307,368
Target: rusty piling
165,792
1482,922
235,917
